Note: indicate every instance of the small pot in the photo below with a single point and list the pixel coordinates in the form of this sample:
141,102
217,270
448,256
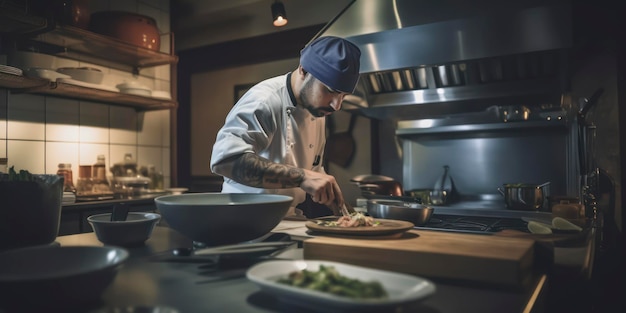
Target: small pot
136,29
399,210
525,197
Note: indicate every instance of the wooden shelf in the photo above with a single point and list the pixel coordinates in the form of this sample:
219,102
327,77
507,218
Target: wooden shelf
140,103
20,82
77,43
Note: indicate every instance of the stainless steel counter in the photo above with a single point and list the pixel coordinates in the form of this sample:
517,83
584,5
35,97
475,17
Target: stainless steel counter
190,287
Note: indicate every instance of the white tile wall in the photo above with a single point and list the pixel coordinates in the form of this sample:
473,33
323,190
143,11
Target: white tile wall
62,120
27,155
39,132
26,117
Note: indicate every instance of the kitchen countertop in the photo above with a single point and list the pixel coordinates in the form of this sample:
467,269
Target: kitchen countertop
191,287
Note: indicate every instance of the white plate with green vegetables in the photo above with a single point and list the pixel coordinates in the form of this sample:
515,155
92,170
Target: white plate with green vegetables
315,283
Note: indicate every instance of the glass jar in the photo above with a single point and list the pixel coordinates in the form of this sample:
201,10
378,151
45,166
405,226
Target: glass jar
99,172
84,184
65,170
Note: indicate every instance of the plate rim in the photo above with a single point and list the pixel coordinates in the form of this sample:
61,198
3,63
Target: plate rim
360,231
421,289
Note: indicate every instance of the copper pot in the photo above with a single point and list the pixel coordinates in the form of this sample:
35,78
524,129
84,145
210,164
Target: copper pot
136,29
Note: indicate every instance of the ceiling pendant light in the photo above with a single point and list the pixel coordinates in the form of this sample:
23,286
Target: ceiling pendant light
279,15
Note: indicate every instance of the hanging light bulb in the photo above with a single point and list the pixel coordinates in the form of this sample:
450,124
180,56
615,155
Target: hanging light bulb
279,15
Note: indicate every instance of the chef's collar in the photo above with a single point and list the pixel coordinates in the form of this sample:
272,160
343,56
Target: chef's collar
291,95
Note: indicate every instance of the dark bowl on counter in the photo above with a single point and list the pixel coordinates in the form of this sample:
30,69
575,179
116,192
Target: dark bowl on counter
133,231
213,219
413,212
57,279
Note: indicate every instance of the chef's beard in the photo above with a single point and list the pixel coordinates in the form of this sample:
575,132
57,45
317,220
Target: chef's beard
304,92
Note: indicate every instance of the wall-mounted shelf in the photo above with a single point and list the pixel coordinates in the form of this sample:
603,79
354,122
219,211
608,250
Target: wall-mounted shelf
76,43
21,84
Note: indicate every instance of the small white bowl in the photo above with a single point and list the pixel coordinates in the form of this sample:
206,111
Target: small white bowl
83,74
134,88
134,231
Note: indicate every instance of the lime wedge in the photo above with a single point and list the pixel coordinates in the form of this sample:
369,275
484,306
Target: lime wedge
539,228
563,224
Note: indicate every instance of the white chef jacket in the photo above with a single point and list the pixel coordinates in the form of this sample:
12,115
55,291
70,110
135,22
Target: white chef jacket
267,122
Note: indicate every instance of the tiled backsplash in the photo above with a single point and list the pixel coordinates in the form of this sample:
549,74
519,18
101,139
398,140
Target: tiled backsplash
38,132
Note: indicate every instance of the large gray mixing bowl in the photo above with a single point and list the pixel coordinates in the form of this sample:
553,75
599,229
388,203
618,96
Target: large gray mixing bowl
413,212
221,218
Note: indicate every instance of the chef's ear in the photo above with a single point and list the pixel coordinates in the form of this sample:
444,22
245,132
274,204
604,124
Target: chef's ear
302,71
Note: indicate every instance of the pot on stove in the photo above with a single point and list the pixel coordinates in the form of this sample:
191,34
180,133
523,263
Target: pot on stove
525,197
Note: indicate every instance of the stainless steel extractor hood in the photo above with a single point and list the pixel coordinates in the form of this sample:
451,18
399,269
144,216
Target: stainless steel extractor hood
427,58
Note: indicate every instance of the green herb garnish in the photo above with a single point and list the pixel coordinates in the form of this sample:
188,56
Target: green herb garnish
23,175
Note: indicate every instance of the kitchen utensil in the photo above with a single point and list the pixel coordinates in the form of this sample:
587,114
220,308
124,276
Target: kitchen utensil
423,196
444,190
378,185
133,28
384,228
57,279
120,212
523,196
413,212
583,151
132,231
130,187
370,178
31,210
222,218
400,288
84,74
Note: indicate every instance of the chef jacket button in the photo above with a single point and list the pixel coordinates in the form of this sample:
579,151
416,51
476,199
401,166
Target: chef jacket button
312,119
311,146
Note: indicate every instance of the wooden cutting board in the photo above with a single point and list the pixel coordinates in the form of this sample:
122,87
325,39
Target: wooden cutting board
484,259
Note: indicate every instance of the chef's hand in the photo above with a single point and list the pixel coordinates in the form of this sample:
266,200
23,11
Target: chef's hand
323,189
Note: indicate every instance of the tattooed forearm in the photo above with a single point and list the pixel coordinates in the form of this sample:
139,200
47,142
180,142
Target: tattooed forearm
253,170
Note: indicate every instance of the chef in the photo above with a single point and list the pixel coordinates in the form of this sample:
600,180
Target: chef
273,138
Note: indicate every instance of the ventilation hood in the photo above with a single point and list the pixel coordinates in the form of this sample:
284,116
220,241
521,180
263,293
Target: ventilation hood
428,58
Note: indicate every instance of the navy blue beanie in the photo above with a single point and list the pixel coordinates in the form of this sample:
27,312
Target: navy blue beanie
334,61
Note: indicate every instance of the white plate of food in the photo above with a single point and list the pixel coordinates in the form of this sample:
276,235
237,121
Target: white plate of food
378,227
274,278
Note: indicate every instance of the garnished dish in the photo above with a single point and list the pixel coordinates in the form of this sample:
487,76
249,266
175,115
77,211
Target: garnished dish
358,224
308,283
353,220
328,279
